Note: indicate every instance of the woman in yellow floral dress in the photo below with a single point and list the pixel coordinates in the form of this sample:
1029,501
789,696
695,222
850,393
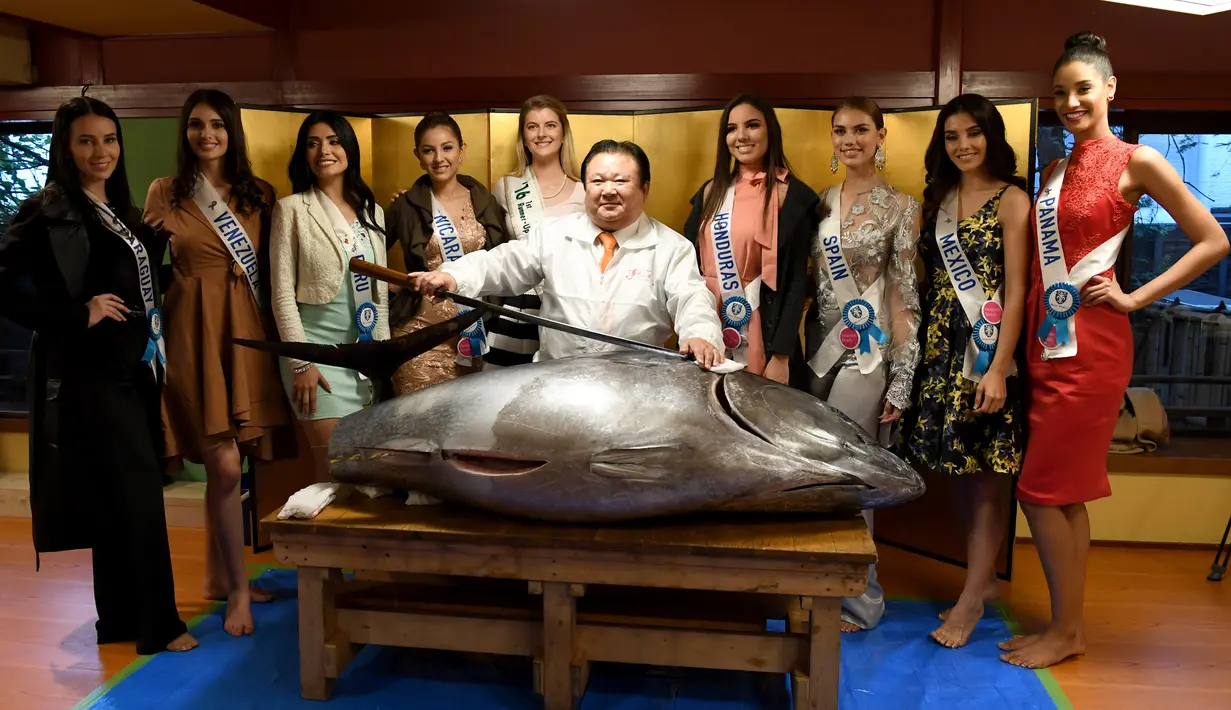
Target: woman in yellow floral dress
967,418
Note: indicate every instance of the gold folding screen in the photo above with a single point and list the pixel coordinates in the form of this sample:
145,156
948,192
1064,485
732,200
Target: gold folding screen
680,145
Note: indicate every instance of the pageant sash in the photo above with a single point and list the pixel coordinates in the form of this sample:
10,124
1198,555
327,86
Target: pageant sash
155,347
737,304
473,342
982,313
525,201
1061,287
228,228
352,246
859,330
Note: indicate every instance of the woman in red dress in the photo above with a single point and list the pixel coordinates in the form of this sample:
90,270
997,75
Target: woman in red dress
1082,213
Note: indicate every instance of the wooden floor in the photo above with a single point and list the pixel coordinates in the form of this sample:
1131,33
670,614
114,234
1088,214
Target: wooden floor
1159,633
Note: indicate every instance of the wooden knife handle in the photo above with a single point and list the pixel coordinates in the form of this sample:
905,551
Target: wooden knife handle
377,271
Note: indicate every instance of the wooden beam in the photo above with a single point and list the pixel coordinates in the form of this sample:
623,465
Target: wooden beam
948,50
1144,90
274,14
648,91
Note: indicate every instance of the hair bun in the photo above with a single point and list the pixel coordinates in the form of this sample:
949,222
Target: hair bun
1086,39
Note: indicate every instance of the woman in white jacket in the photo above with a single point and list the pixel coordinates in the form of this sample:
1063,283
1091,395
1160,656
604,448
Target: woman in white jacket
331,218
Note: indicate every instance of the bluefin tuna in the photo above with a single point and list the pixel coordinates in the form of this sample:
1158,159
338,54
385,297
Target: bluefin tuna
618,436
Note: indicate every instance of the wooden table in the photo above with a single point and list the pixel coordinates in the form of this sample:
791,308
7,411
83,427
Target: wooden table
688,592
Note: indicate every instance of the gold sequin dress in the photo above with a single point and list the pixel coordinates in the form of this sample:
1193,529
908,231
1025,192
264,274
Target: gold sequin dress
439,364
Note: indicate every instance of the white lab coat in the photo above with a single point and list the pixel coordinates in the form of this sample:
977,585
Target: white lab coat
652,282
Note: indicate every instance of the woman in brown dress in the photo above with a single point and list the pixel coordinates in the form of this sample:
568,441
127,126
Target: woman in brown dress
441,209
222,400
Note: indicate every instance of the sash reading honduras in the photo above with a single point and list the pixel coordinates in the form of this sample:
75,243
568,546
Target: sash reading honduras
145,274
1061,287
473,342
228,228
527,202
859,316
983,314
365,311
736,307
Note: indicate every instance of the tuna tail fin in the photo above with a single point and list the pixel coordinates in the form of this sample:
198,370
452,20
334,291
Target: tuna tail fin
377,359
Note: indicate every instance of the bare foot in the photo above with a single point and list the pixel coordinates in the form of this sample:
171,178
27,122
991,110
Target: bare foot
991,593
256,594
1051,648
956,630
1019,642
183,642
849,628
239,615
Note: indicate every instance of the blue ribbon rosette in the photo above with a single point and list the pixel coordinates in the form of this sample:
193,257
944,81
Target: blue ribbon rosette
1060,302
859,316
473,336
365,319
151,347
985,343
736,311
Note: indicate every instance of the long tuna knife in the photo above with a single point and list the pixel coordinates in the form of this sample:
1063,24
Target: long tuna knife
388,275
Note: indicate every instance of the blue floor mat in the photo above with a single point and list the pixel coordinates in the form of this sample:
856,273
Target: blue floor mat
894,666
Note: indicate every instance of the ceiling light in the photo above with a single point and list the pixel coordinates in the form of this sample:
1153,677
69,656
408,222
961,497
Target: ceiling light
1192,7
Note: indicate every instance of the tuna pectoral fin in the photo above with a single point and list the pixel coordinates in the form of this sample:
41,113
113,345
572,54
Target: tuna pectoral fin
378,359
487,464
644,463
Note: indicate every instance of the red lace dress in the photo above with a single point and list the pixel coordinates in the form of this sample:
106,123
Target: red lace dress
1073,403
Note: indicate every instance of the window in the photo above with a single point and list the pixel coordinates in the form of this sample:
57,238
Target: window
24,150
1183,343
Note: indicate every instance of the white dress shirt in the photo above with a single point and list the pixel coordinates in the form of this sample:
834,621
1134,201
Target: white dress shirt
650,283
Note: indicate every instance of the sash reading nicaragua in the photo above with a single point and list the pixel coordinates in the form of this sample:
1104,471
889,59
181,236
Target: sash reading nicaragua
155,346
859,317
365,311
525,201
1061,287
227,227
983,314
473,342
736,307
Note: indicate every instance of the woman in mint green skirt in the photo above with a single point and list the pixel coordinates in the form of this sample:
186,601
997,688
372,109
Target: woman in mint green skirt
331,218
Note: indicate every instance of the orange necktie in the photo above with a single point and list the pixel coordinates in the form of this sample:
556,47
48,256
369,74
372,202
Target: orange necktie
609,245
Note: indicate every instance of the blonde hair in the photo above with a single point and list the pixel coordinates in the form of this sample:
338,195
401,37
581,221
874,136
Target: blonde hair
568,157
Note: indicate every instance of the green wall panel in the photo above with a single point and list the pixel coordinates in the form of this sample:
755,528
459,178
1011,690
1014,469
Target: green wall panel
149,152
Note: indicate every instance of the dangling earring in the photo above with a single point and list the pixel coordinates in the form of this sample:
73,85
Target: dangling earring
879,158
833,163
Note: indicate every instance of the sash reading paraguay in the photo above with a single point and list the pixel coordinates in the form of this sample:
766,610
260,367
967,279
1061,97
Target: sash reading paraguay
365,310
473,342
155,346
860,331
1061,287
228,228
736,307
983,314
525,201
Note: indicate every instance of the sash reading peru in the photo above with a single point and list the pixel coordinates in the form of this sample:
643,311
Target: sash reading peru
860,331
228,228
983,314
527,202
365,310
155,346
737,303
473,342
1061,287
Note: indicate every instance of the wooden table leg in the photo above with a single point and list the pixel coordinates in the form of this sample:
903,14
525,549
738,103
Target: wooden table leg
559,618
318,620
820,691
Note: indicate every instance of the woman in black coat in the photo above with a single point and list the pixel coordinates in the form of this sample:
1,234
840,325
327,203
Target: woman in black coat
752,226
78,268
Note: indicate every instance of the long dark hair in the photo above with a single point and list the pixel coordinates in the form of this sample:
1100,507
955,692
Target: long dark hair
236,167
62,170
354,190
999,159
724,171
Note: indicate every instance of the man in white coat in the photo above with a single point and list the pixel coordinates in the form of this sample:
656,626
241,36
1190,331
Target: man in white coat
613,269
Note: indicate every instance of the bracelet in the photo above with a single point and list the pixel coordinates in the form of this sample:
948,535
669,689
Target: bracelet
303,369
